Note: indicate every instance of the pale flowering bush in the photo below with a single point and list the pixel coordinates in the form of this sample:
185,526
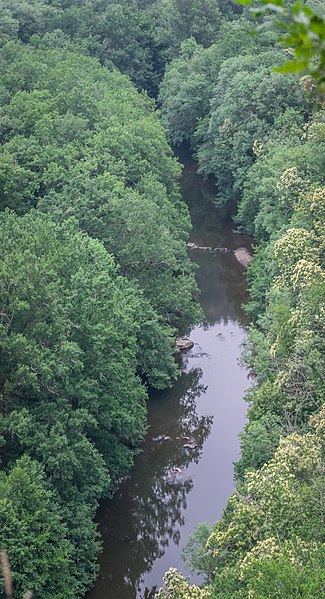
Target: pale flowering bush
290,180
273,501
296,244
293,553
268,544
315,129
268,548
311,211
177,587
258,147
305,274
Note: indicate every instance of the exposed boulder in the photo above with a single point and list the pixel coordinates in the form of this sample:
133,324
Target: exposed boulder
243,256
182,343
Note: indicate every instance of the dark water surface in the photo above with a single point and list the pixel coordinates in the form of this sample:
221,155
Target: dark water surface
172,488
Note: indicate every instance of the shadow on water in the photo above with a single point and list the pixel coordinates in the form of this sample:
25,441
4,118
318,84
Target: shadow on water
173,487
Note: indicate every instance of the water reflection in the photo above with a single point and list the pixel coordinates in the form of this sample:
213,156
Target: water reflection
153,499
219,276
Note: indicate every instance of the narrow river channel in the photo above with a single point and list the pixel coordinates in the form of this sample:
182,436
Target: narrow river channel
171,488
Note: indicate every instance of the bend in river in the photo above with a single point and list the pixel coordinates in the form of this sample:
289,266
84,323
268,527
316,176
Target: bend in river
171,487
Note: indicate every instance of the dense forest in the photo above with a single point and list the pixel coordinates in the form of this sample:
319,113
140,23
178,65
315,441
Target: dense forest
95,281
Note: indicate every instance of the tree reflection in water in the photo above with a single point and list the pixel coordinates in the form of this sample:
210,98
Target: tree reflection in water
147,511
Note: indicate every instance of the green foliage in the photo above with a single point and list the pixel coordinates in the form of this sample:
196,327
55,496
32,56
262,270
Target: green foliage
33,533
282,576
274,577
195,553
82,142
182,19
184,93
189,81
64,351
287,164
119,33
227,103
95,278
135,36
247,99
304,30
177,587
258,443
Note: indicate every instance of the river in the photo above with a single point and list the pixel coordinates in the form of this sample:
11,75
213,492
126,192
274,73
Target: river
171,488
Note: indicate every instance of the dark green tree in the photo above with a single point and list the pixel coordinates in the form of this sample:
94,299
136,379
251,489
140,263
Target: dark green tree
33,534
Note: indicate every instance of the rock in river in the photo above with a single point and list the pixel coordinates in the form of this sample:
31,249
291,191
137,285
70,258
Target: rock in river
243,256
182,343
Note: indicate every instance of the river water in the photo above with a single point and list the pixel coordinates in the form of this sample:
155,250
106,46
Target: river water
172,488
